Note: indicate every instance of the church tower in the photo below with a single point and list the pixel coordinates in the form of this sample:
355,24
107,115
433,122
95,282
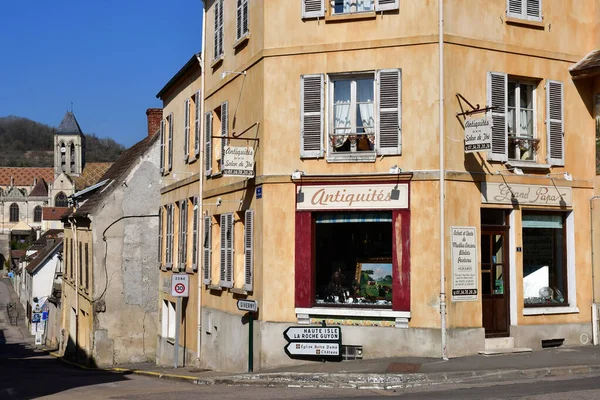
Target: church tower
69,147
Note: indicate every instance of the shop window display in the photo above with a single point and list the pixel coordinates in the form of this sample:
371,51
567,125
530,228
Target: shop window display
354,259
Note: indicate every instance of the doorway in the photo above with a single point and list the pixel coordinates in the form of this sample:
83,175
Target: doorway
494,272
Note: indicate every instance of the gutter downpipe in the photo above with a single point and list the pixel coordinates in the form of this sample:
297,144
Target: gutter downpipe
200,245
594,307
442,181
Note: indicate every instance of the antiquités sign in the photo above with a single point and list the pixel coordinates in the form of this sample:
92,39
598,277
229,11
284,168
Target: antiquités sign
478,135
501,193
464,263
348,197
238,161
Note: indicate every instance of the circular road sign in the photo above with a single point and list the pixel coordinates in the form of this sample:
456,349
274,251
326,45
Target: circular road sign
180,288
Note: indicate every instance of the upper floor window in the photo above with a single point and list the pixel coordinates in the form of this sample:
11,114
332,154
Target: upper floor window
218,43
37,214
530,10
14,213
316,8
242,19
351,6
514,115
365,114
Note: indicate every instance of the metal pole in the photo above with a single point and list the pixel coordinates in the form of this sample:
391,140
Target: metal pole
250,342
177,323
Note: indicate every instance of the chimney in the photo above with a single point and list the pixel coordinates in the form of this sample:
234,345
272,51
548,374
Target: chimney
154,117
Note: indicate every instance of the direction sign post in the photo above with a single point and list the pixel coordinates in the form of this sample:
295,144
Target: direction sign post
313,342
180,287
251,306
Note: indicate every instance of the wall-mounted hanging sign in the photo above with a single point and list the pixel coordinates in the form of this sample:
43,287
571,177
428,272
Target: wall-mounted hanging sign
478,134
238,161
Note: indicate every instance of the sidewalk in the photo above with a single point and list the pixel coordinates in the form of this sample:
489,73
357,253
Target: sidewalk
392,373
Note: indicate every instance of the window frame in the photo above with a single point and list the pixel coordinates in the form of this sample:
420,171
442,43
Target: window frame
242,14
534,138
37,214
14,211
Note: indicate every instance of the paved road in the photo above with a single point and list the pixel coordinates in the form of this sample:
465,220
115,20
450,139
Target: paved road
29,374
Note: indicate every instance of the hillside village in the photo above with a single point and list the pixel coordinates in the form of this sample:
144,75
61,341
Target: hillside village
424,189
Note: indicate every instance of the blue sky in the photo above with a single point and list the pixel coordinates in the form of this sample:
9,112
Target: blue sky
108,57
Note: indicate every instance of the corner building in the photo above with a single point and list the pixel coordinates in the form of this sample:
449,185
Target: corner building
365,210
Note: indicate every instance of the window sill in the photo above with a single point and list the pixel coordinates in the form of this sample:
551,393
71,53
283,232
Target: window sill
215,63
214,287
351,16
525,22
352,158
238,291
532,165
550,310
238,43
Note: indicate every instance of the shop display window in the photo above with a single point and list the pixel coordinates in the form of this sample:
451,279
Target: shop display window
544,259
354,259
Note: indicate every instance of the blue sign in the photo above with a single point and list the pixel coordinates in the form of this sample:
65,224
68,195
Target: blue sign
44,315
259,192
36,317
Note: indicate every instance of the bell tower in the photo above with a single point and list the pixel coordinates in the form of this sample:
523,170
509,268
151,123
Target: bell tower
69,147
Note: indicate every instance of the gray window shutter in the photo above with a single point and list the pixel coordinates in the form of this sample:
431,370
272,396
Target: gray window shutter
226,246
230,241
160,236
383,5
245,17
183,222
170,224
195,235
224,128
497,93
555,123
218,45
171,141
514,8
197,122
311,116
313,8
162,146
389,112
207,249
238,19
186,129
208,143
524,9
248,250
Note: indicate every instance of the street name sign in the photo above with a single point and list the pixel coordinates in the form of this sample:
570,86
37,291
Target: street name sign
180,285
312,349
247,305
313,334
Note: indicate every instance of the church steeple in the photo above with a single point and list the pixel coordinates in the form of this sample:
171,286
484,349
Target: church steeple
69,147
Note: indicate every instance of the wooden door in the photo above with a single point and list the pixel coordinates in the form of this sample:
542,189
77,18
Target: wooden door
494,281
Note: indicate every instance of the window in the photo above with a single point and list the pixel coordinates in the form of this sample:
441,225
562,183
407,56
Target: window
365,112
218,44
186,129
224,131
71,259
80,259
160,236
208,143
60,200
170,156
248,249
195,236
226,266
514,115
207,249
242,19
162,146
168,319
72,158
87,267
197,122
183,223
169,245
14,213
37,214
521,121
63,157
353,259
351,6
524,9
544,259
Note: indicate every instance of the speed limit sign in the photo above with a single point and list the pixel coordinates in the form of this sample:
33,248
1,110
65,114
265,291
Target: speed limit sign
180,285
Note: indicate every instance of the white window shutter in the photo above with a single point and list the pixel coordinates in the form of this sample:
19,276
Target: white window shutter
555,123
160,236
313,8
224,128
197,122
497,96
311,116
514,8
245,17
249,250
208,143
171,141
389,111
533,10
383,5
207,249
195,223
162,146
186,129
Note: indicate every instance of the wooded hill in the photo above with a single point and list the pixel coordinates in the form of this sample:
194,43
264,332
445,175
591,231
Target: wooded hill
26,143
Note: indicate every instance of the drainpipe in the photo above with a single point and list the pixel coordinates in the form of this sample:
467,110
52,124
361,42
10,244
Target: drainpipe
594,307
442,181
201,186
